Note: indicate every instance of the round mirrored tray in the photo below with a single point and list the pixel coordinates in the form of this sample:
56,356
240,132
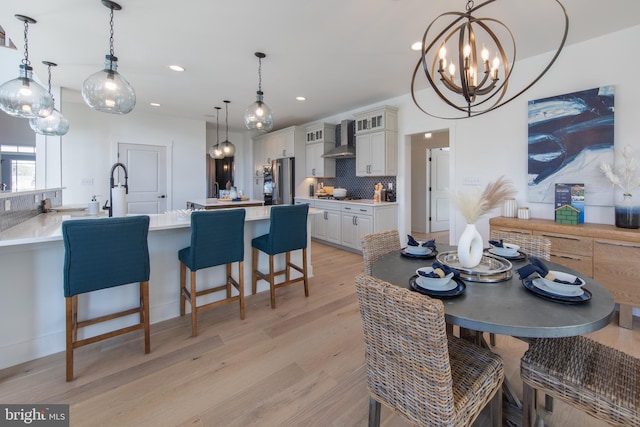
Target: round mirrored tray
492,268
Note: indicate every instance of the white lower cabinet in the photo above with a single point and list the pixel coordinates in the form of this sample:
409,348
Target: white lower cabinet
327,225
354,226
345,223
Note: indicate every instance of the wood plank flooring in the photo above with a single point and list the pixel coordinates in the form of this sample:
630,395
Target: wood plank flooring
301,364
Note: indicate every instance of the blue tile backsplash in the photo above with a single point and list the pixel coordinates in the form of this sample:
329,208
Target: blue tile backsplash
357,186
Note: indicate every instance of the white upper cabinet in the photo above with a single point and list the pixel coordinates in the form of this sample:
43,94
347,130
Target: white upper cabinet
320,139
377,142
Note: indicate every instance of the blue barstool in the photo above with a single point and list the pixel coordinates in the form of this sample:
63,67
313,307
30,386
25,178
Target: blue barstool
100,254
217,238
287,233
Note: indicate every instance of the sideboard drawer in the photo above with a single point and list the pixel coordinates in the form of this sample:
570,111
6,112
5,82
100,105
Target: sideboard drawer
569,244
580,263
616,267
511,230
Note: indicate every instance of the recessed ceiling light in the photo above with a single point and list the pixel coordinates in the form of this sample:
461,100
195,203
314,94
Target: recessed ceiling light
154,104
301,98
416,46
176,68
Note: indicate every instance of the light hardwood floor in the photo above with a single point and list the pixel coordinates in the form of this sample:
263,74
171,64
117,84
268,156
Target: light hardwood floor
301,364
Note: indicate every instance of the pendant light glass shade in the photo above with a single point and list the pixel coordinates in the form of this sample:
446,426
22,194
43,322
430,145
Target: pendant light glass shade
22,96
215,151
228,149
258,116
106,90
54,124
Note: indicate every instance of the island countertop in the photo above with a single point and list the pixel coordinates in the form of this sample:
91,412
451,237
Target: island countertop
48,227
222,203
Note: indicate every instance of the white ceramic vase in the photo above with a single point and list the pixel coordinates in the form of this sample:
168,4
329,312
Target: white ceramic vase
470,247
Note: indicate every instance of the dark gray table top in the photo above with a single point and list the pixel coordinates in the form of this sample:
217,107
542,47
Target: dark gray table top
507,308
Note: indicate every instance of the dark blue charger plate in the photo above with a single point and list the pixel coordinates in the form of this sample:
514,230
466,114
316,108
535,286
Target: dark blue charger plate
430,255
458,290
564,299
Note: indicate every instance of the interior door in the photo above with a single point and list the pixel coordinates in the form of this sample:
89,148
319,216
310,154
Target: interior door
439,189
147,169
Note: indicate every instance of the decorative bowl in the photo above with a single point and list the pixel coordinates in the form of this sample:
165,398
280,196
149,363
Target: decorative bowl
508,249
563,288
431,282
418,250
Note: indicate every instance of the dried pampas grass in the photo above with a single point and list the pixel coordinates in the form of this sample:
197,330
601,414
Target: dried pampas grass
474,205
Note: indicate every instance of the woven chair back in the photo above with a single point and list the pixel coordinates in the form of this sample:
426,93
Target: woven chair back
407,355
531,245
375,245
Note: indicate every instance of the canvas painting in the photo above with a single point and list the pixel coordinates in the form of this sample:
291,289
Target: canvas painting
569,136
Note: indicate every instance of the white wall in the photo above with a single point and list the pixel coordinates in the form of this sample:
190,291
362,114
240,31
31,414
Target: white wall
90,149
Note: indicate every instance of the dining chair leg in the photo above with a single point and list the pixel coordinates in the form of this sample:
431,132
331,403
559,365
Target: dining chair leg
492,339
228,281
183,284
272,283
528,405
305,274
144,304
69,304
194,309
374,412
496,409
254,271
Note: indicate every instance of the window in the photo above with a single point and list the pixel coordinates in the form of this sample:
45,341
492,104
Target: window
23,175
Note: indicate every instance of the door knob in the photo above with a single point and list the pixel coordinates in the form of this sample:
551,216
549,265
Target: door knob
163,196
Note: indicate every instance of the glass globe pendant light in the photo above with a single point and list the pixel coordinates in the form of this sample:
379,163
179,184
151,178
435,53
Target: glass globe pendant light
215,152
228,149
258,116
54,124
106,90
23,97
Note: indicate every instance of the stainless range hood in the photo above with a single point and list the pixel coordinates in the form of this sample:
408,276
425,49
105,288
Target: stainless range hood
346,148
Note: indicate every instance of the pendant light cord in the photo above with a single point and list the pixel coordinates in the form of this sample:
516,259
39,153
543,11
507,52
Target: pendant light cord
49,69
227,119
259,74
111,33
26,61
217,126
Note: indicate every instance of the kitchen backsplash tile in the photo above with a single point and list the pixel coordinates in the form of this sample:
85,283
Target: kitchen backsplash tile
357,186
24,207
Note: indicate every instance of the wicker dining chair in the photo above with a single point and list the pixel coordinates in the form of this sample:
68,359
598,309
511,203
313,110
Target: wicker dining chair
597,379
535,246
415,368
375,245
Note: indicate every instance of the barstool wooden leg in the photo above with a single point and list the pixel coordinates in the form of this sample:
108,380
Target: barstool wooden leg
228,281
241,287
69,354
304,272
183,284
144,314
194,308
287,266
272,283
254,271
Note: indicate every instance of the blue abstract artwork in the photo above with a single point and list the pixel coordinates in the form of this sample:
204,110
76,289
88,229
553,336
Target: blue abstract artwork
569,136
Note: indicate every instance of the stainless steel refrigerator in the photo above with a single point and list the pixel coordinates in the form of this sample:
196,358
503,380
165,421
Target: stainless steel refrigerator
283,175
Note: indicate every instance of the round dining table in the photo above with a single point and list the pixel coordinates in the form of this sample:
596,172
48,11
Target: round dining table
507,307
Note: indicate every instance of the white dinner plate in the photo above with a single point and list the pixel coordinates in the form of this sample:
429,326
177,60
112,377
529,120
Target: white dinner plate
503,252
539,283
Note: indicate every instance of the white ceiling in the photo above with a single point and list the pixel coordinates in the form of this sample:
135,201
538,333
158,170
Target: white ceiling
339,54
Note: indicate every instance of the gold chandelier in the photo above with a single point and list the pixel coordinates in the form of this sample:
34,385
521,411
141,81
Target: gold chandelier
471,81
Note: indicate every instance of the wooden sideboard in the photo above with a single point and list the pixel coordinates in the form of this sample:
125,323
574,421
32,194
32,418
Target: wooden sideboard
609,254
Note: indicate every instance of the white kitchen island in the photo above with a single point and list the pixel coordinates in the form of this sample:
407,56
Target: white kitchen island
32,308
